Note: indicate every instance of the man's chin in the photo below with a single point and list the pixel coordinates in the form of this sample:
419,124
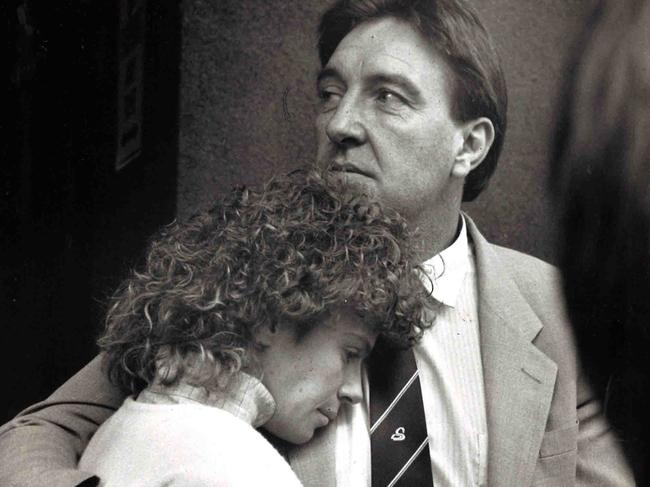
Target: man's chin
353,182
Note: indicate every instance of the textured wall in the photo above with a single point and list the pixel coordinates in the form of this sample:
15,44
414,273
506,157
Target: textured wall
247,103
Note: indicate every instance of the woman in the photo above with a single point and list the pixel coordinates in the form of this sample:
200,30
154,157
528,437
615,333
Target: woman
256,314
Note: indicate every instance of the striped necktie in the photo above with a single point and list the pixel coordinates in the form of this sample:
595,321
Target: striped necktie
398,433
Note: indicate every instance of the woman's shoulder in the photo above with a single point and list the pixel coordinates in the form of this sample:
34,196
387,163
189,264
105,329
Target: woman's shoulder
208,441
185,444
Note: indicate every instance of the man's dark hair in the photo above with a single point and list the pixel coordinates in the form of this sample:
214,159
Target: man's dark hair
455,31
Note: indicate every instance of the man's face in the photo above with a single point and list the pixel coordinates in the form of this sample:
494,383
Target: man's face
385,118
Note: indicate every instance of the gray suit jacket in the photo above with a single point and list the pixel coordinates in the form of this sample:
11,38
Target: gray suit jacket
544,426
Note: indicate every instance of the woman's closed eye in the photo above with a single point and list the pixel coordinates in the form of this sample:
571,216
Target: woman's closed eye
352,354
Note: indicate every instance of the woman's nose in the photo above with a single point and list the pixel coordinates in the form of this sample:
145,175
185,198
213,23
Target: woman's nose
351,390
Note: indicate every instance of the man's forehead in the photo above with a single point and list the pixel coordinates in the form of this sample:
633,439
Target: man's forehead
377,58
384,46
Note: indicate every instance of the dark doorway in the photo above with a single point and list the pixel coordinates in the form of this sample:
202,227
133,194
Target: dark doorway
88,173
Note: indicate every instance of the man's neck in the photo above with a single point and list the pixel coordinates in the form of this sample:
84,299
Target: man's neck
434,236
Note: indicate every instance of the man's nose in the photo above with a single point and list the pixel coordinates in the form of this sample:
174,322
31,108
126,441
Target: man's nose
351,390
346,128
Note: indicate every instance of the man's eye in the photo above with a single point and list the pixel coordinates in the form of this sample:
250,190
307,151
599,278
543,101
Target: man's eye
328,97
390,99
325,94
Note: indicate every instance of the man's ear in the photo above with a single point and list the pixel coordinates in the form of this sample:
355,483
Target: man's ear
478,135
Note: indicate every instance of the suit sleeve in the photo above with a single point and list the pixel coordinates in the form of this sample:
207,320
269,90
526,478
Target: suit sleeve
41,446
600,457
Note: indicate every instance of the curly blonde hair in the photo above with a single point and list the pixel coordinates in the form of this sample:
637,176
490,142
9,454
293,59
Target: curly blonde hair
282,255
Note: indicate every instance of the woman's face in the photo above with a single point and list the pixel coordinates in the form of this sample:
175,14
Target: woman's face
310,377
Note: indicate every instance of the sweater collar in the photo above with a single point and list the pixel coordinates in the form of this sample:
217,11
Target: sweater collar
244,396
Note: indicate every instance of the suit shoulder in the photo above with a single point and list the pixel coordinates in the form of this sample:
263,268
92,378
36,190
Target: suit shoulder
522,259
530,273
540,284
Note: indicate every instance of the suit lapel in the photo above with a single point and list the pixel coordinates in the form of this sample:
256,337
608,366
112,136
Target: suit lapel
519,378
315,462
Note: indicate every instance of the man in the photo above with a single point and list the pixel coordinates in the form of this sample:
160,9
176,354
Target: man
413,112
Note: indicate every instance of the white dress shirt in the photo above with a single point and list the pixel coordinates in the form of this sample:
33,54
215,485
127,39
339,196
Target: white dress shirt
451,375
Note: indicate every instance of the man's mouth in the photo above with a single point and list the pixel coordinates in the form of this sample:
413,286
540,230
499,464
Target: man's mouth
347,168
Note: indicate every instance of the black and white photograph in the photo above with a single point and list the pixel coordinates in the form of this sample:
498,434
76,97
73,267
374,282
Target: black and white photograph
326,243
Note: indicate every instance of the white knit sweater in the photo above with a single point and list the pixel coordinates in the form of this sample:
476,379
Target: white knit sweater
184,437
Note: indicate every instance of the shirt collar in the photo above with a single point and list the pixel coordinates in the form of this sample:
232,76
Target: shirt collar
244,397
446,271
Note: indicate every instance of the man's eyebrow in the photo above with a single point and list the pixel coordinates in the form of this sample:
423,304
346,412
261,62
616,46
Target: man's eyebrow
396,79
327,72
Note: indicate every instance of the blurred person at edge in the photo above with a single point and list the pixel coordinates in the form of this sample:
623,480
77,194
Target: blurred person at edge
601,180
413,112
